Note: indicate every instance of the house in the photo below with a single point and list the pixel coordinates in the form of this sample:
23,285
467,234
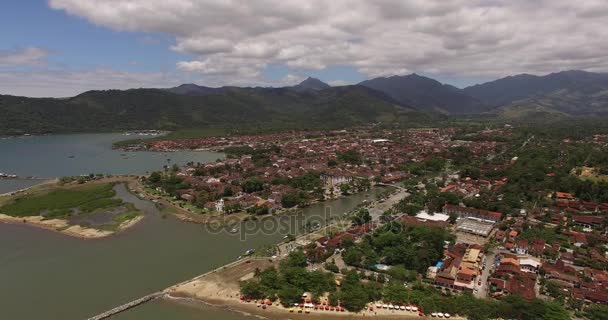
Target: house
521,247
564,196
588,222
529,264
465,212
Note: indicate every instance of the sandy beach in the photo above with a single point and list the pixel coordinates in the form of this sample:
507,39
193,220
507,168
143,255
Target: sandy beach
62,226
221,289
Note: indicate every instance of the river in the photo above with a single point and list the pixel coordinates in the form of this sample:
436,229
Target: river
47,275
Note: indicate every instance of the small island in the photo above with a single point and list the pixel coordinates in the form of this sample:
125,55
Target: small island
84,209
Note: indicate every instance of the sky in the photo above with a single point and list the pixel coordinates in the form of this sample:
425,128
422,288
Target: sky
60,48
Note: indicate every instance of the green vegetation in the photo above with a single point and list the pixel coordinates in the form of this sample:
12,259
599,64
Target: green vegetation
435,164
350,156
131,213
235,110
290,200
361,217
289,281
413,247
431,198
169,182
61,202
73,202
596,312
354,294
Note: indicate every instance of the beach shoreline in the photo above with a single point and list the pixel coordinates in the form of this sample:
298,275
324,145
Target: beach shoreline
62,226
220,288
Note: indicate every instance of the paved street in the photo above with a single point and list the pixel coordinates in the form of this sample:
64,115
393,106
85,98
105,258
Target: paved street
482,291
380,207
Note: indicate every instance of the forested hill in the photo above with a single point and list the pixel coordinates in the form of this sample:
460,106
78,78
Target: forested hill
113,110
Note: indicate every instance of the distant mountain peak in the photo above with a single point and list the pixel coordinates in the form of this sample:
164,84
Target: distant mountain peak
311,83
191,89
425,93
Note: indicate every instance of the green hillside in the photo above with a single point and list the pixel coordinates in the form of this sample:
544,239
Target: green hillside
115,110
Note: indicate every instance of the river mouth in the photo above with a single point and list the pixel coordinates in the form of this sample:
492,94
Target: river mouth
72,278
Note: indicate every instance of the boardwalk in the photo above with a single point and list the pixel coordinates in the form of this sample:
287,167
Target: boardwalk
127,306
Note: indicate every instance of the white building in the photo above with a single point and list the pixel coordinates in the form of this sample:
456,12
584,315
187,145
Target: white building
219,205
423,215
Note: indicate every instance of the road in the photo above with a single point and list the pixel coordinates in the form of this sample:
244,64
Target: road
482,291
378,208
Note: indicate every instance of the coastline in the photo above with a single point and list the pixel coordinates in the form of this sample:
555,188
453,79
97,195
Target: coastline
62,226
220,289
37,185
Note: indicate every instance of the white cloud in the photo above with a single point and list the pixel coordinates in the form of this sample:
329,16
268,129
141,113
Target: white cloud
69,83
30,56
338,83
233,41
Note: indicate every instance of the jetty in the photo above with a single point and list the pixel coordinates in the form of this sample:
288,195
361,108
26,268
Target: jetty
15,177
156,295
128,306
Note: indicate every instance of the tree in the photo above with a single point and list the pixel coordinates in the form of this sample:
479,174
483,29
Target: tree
295,259
361,217
453,217
345,189
252,289
352,296
401,273
350,156
228,192
596,312
252,185
396,293
292,199
352,257
289,295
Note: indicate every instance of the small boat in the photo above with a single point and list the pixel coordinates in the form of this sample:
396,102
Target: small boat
408,308
447,315
440,315
402,308
415,309
71,156
434,314
234,230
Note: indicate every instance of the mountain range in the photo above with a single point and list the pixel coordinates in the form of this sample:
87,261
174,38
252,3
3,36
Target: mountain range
310,104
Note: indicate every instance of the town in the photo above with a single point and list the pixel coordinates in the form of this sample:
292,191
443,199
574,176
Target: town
511,215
